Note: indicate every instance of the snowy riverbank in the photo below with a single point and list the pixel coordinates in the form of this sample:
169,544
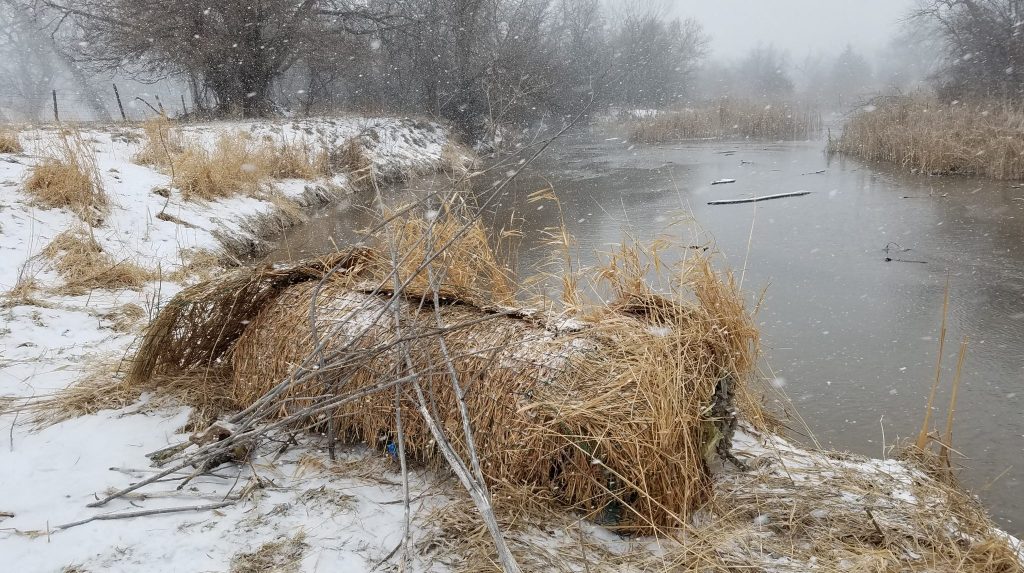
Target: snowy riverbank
51,337
790,511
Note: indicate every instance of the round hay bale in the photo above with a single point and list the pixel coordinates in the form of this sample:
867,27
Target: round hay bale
612,415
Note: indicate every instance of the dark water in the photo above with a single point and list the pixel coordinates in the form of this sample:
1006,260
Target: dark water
852,338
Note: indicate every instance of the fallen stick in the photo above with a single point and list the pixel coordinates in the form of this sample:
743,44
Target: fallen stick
144,513
756,199
892,260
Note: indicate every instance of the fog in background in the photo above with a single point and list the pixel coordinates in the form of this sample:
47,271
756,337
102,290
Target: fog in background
799,27
475,63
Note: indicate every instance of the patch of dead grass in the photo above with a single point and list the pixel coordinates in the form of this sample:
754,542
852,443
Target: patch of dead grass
294,160
281,556
10,142
236,164
125,317
233,167
196,264
67,177
352,158
22,293
161,143
84,266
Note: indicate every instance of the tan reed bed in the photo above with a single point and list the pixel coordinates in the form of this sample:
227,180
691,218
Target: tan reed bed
729,120
922,135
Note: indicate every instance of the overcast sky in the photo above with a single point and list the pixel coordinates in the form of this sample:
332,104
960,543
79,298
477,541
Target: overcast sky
798,26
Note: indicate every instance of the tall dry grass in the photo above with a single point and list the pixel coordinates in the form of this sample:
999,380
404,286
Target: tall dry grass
295,159
236,164
67,177
727,120
161,143
351,158
9,141
924,135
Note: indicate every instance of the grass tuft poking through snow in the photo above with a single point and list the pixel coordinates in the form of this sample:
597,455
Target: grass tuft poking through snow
236,164
84,266
281,556
351,158
233,167
68,177
9,142
161,142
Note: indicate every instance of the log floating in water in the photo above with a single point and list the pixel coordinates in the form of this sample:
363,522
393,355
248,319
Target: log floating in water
756,199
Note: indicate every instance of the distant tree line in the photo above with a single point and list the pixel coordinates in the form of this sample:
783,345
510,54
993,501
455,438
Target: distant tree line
766,74
474,62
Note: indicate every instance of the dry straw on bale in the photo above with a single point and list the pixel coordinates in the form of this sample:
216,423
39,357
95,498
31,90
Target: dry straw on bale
611,413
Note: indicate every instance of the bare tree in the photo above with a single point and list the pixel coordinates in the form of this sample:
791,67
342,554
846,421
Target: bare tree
234,49
655,60
765,73
982,43
478,63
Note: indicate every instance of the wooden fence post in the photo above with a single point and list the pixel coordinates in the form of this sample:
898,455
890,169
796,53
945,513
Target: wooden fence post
120,106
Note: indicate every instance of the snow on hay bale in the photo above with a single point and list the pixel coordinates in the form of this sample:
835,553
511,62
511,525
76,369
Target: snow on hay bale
616,412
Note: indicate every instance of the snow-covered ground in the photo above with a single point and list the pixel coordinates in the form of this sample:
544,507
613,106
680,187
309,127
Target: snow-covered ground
53,340
299,511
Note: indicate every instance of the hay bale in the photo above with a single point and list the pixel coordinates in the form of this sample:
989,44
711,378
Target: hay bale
201,323
612,416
